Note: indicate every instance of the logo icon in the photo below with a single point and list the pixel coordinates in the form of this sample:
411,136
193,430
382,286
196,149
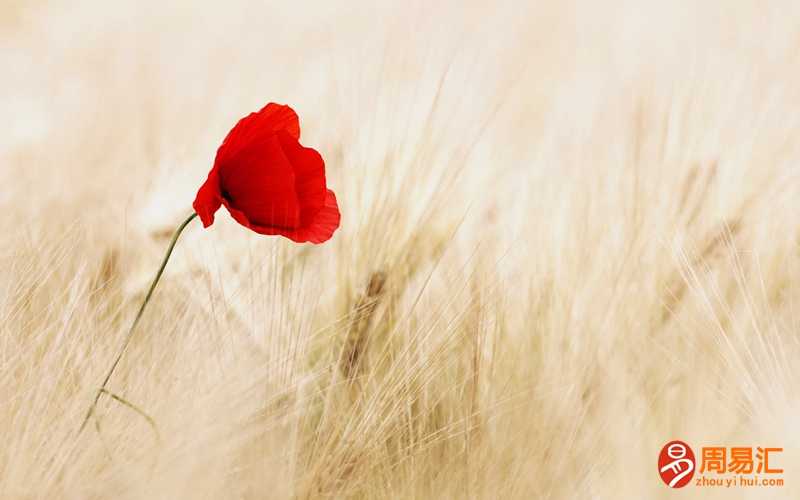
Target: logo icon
676,464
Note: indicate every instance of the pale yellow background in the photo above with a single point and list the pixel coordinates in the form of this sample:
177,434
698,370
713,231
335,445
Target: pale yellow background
585,214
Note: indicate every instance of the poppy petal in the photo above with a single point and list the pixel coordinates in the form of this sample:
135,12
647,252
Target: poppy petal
260,181
270,119
208,199
309,177
326,221
268,181
321,229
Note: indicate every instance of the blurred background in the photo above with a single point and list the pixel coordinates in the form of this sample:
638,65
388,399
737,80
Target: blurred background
569,235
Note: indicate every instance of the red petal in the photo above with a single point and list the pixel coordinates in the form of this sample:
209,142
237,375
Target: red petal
260,182
309,175
326,222
270,119
319,231
268,181
208,199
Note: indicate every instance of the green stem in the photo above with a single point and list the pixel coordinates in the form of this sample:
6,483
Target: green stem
135,408
128,337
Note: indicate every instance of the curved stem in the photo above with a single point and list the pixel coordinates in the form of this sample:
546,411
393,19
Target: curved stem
125,402
128,337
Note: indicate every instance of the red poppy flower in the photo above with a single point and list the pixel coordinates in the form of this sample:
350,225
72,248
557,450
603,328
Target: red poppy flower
268,181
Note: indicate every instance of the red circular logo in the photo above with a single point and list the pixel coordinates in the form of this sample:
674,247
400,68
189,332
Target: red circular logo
676,464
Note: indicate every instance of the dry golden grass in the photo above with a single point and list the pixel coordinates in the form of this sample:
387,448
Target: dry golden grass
570,234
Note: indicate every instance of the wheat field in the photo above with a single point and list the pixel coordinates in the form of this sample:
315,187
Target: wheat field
569,235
